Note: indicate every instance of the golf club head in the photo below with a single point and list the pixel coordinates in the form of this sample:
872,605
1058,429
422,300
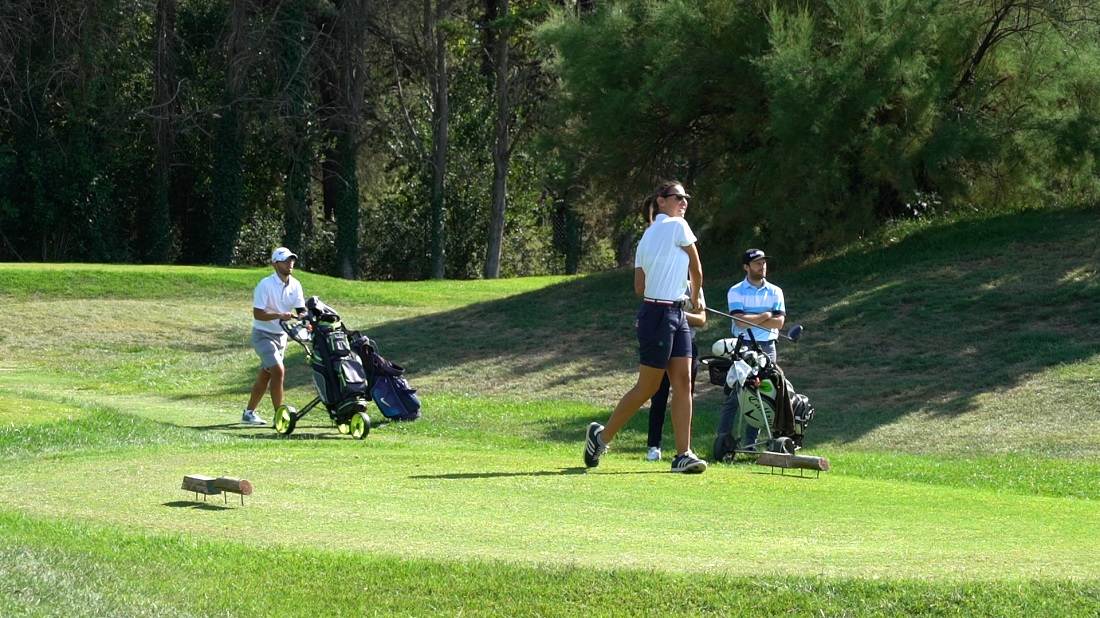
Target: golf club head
795,333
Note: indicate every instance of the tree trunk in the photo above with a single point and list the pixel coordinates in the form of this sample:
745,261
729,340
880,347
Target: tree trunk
296,189
227,195
228,174
330,184
501,147
347,205
165,80
574,235
350,31
441,126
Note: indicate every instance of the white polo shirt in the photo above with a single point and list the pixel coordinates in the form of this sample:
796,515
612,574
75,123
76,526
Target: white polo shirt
271,294
662,257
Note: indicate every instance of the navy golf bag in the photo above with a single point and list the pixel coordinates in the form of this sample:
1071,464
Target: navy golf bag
389,390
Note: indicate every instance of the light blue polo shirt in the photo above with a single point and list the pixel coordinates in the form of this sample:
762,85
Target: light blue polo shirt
746,298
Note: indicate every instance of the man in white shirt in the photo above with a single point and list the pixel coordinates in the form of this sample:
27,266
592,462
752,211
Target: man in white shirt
277,297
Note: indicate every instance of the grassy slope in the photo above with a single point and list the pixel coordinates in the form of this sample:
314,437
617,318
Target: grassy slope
954,370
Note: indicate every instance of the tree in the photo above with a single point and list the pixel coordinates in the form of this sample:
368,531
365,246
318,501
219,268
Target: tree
294,73
803,126
165,102
228,183
342,88
435,12
497,47
71,82
517,90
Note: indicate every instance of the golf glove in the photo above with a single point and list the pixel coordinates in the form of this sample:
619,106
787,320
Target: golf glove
738,373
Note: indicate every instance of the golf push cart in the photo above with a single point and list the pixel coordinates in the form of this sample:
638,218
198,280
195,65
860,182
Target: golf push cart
348,372
338,371
766,400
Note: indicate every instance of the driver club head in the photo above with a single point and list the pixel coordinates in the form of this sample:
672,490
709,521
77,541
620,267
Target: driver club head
795,333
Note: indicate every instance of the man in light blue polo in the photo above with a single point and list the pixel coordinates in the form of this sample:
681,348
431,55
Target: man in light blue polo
758,302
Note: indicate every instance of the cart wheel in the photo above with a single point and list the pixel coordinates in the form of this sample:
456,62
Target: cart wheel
343,428
724,447
285,419
783,445
359,425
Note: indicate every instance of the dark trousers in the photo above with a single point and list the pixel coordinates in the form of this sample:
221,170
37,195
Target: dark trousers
658,404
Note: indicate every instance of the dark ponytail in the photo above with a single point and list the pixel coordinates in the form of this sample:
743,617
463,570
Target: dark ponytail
649,209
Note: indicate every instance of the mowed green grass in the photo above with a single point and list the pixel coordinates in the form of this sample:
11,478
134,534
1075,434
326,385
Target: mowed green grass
956,392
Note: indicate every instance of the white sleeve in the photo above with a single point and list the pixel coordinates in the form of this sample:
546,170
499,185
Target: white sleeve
299,295
688,237
258,297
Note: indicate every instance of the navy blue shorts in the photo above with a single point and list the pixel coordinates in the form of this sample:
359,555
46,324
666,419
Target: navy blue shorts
662,334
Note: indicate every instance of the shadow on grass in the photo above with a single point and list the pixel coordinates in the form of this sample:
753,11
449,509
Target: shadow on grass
313,431
562,472
928,323
201,506
224,427
496,475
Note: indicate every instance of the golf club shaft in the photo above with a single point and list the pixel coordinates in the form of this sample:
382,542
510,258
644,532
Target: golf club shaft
744,321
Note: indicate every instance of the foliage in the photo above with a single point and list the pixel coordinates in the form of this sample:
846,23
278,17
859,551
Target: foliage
67,96
810,124
796,126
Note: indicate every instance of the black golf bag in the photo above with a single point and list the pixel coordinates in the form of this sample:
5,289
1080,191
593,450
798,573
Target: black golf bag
338,370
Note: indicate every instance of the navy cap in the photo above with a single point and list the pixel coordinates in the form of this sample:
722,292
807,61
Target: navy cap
752,255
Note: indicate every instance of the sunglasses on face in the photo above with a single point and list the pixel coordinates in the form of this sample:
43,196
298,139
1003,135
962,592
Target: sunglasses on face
680,197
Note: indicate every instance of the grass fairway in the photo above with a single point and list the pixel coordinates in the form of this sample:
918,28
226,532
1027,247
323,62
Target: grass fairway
956,388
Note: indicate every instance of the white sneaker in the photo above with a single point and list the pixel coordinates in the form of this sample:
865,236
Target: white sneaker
250,418
654,454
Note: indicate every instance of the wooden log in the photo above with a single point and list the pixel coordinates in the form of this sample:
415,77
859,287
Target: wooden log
786,460
200,484
233,485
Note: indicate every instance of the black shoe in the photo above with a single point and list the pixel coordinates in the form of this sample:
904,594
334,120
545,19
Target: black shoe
688,463
593,449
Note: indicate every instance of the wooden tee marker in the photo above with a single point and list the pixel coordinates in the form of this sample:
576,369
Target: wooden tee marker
210,486
783,461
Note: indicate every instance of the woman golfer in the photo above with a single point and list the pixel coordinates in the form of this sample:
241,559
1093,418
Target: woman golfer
665,258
